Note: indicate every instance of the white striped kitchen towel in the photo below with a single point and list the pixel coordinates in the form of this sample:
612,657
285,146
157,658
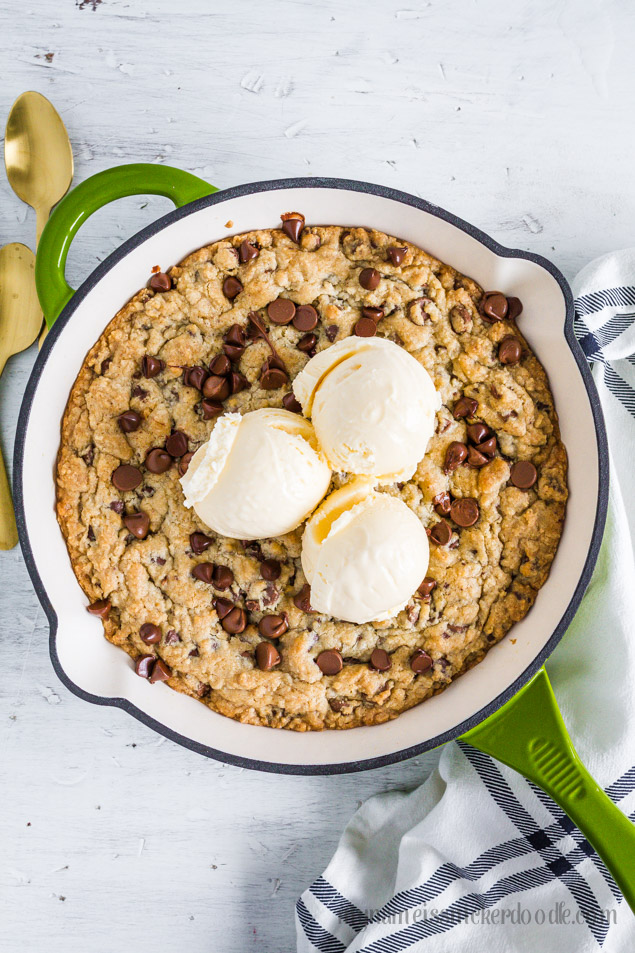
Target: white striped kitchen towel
477,858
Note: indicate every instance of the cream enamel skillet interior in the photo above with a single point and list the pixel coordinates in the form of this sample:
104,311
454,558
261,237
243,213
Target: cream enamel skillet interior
97,670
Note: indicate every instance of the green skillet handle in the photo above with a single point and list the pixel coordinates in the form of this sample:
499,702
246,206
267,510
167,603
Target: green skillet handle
53,290
528,734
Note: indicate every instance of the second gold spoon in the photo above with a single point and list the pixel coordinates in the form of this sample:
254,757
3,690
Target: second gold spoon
20,318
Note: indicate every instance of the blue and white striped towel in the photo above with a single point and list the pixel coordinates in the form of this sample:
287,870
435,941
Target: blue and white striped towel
477,858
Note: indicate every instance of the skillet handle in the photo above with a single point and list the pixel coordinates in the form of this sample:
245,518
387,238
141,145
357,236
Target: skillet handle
529,735
53,290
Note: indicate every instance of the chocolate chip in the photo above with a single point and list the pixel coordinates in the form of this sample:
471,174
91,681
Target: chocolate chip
247,252
523,474
487,448
172,637
420,661
204,572
380,660
465,512
460,319
329,662
290,403
515,308
129,421
302,599
421,304
454,456
100,608
160,672
331,331
237,382
256,327
150,633
271,378
126,477
223,607
475,458
427,586
465,407
217,388
305,318
199,542
270,595
494,306
442,502
139,392
235,336
91,534
375,313
509,350
231,287
105,365
293,228
441,534
176,444
151,366
234,352
337,704
365,328
160,281
117,506
307,343
158,461
210,408
270,569
89,457
267,656
281,311
369,278
397,255
235,621
195,377
478,432
222,577
234,345
194,653
184,463
138,524
273,626
221,365
143,665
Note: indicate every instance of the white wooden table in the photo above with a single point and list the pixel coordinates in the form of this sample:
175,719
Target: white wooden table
516,116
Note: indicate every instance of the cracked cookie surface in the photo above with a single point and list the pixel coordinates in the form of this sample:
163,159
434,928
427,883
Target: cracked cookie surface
487,575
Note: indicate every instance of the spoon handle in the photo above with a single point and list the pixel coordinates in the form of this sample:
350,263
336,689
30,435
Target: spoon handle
8,529
42,216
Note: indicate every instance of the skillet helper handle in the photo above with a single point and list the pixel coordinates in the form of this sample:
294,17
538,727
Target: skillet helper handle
529,735
53,290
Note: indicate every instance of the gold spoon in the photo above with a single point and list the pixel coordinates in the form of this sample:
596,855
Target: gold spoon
20,321
38,157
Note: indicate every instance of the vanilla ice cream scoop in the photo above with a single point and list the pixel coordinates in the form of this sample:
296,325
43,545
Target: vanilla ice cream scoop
364,554
372,406
258,476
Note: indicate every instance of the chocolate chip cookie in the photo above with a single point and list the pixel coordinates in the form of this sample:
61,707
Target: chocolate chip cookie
231,623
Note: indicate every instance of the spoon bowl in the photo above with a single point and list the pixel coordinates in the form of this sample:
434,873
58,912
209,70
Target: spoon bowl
37,155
